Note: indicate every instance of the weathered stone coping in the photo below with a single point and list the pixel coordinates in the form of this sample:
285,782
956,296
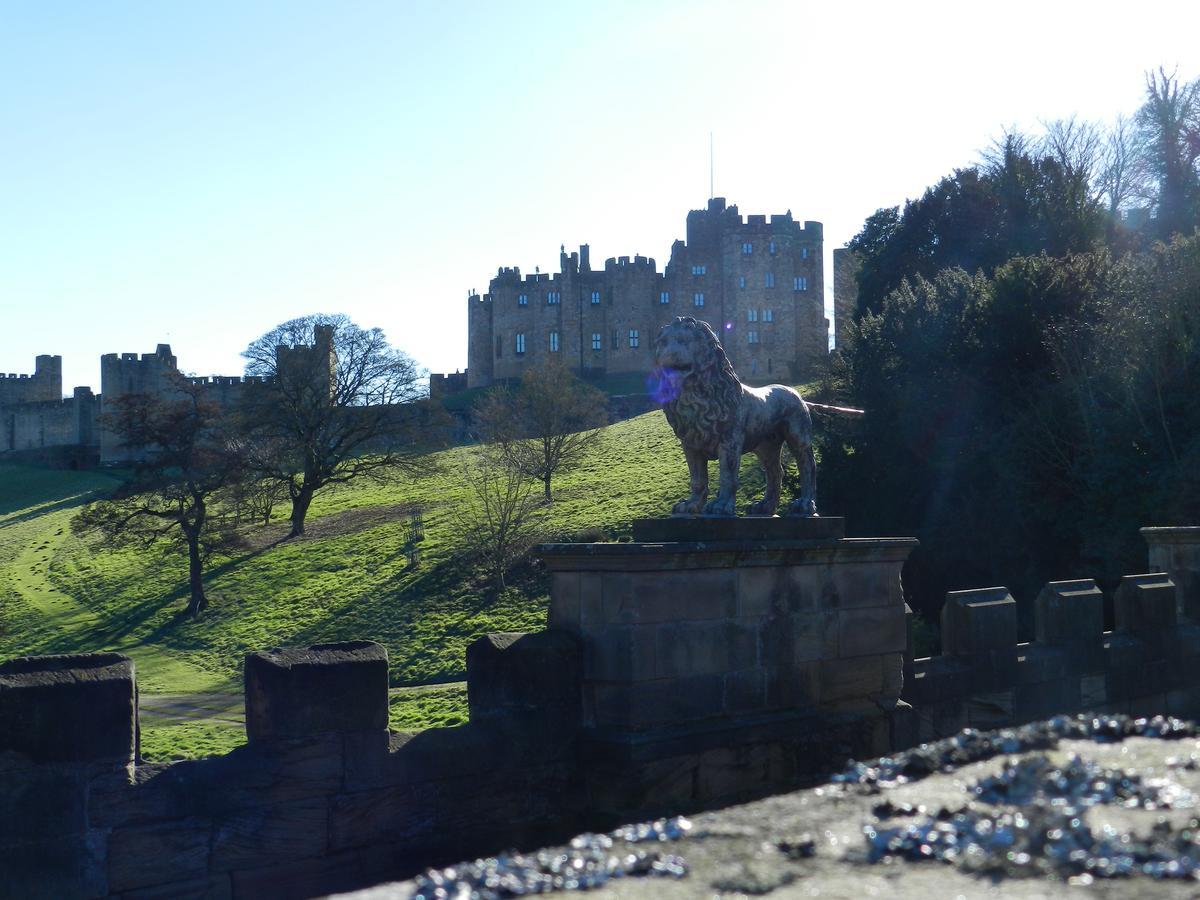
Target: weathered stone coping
722,554
1188,534
739,528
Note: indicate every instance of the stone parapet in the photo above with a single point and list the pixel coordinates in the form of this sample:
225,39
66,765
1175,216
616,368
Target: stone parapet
1176,551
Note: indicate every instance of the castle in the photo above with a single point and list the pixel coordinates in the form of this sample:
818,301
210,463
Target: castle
37,422
759,282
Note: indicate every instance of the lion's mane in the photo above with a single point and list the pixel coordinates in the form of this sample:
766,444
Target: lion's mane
707,402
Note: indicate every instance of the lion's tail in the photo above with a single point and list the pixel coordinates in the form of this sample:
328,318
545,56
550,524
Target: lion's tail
838,410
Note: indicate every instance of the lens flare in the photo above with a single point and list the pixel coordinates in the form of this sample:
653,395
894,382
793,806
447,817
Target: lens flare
663,385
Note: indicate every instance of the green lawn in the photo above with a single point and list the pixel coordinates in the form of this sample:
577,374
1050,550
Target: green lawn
349,578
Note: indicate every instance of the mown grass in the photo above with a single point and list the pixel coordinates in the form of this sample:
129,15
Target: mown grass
349,578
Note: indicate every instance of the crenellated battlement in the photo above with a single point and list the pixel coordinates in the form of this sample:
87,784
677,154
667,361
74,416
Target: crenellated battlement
737,667
636,262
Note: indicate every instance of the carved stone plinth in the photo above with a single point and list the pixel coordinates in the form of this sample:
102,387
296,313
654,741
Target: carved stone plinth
743,636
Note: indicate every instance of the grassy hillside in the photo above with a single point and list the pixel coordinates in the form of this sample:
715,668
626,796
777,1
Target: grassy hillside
348,578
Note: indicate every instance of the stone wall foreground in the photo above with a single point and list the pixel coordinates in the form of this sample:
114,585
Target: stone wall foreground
678,675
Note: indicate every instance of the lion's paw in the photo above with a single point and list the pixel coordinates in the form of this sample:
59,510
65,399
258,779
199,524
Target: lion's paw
805,508
688,507
719,507
761,508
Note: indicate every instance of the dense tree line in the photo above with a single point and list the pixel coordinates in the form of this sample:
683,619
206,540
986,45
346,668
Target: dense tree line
1029,357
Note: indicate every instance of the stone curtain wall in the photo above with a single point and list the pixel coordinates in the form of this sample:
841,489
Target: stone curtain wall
322,798
1148,664
651,694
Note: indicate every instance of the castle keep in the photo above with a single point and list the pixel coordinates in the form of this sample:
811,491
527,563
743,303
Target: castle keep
759,281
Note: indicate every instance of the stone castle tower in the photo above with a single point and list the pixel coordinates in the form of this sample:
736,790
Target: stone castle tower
758,282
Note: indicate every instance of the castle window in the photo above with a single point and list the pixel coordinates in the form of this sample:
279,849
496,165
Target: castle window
752,315
634,338
769,280
751,337
595,298
523,300
768,315
804,253
595,340
616,340
741,281
664,297
747,249
699,270
554,342
697,299
520,344
771,248
499,347
553,297
800,283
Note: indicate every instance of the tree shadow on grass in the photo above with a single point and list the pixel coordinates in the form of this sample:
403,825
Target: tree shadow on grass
38,511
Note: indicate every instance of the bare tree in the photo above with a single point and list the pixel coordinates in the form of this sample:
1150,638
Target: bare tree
185,461
499,519
1122,178
1168,124
1077,146
546,425
337,403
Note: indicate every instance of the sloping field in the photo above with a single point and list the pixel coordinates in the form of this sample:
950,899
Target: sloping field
348,578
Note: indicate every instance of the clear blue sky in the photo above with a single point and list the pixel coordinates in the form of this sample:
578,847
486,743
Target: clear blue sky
198,172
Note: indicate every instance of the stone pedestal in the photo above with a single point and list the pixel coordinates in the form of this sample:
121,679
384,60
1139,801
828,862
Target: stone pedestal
1176,551
728,650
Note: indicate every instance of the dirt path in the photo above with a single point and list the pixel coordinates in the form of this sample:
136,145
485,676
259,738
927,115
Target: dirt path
172,709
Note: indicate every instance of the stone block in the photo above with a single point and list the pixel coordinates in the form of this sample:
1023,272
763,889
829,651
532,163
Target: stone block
794,686
1093,692
592,611
778,590
854,679
650,704
565,603
939,720
799,637
1176,551
73,708
41,803
991,709
870,631
1070,612
1049,698
621,653
68,867
979,621
515,672
298,830
701,648
1145,604
938,680
745,691
395,814
294,693
1039,663
859,584
157,854
333,874
682,596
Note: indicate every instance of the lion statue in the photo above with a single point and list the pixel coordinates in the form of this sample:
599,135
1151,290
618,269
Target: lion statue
715,416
